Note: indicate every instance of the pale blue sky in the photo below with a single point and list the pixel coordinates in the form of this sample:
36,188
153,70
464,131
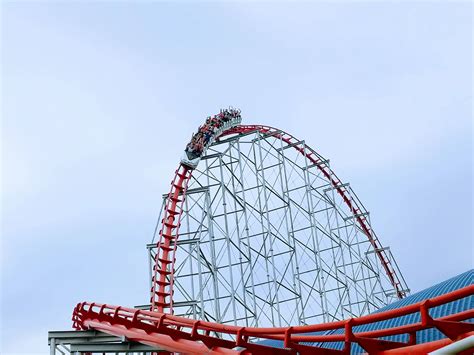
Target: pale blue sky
99,99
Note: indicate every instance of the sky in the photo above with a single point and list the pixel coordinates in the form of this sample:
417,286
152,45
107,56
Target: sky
98,100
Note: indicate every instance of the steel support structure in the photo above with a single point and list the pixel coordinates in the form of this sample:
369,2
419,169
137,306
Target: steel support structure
257,241
268,236
95,342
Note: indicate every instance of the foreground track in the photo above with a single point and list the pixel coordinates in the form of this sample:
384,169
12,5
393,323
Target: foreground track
178,334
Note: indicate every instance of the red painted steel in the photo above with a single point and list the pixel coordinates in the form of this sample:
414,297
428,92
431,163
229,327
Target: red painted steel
162,286
179,334
162,281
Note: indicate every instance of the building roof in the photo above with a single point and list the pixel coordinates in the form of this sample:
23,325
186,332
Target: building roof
428,335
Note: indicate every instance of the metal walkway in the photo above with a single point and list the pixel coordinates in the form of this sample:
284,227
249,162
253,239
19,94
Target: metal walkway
93,341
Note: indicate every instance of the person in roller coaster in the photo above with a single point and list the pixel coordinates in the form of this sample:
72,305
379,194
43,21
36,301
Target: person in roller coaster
205,132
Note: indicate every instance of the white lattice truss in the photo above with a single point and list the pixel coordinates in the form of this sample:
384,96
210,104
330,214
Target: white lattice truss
265,240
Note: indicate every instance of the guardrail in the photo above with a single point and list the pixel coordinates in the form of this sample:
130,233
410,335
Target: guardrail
179,334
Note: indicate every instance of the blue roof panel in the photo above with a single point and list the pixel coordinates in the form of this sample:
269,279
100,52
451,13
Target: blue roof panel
452,284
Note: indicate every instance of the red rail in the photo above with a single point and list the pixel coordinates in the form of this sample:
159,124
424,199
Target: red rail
162,284
163,272
178,334
396,280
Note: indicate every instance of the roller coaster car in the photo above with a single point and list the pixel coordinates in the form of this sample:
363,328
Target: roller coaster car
191,159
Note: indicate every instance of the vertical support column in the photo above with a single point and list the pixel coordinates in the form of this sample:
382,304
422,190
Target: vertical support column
269,231
227,239
150,273
264,235
239,235
355,230
52,346
213,255
198,248
316,247
247,235
290,231
190,251
340,245
334,246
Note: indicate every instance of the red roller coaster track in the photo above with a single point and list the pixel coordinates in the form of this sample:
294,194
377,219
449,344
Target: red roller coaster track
160,328
179,334
162,281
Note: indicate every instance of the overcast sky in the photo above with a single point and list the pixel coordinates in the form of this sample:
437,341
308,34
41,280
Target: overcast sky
99,100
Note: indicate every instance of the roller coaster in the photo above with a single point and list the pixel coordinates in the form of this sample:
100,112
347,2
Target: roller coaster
258,241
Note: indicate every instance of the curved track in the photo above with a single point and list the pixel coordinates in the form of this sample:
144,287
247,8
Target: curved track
163,271
179,334
158,327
